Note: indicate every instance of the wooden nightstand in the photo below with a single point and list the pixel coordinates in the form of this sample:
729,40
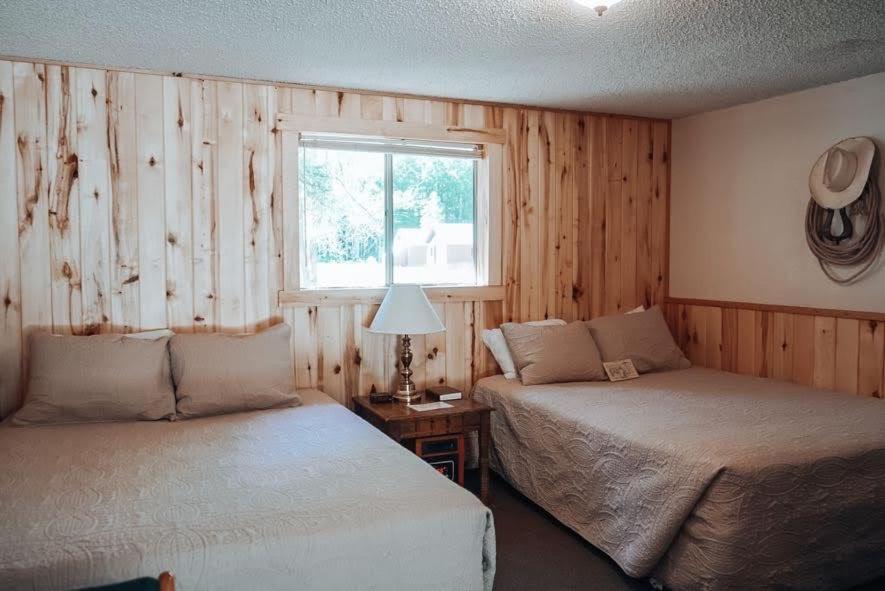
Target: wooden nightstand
416,430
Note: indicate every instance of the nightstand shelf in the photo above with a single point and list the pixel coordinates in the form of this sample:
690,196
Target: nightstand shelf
416,430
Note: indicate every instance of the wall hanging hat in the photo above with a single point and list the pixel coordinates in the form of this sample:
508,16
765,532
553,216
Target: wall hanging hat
843,180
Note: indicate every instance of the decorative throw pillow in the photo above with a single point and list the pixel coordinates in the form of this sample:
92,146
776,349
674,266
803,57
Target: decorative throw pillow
549,354
106,377
643,337
494,340
222,373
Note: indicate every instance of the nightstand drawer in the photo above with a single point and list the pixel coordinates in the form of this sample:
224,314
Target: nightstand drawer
432,426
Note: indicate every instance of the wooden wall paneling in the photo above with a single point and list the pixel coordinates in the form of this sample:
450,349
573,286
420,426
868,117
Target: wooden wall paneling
629,172
151,172
330,346
373,360
459,344
371,108
123,156
304,327
177,129
761,336
598,200
613,211
231,247
780,346
696,335
582,249
729,340
10,276
660,212
645,237
204,158
64,201
847,352
435,351
547,219
515,165
257,184
530,218
803,349
351,343
303,101
824,352
93,171
29,82
713,338
871,359
746,339
279,100
565,218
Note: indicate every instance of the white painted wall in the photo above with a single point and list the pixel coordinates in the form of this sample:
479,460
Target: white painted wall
739,192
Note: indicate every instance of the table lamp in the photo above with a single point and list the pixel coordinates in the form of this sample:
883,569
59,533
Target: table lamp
405,311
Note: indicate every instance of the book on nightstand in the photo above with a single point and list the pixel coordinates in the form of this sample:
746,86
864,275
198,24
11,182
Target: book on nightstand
443,393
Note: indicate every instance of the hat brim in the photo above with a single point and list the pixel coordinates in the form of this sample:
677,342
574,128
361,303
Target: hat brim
864,149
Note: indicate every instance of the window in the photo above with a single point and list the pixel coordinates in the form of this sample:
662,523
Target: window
379,211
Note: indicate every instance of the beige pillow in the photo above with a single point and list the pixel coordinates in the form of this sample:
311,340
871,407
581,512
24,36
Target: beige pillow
643,337
549,354
222,373
106,377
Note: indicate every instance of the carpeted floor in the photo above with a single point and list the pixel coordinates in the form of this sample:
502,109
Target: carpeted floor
535,552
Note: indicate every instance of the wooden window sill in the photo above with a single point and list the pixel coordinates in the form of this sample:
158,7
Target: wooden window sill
458,293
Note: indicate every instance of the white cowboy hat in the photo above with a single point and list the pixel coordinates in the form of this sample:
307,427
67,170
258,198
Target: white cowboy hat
840,174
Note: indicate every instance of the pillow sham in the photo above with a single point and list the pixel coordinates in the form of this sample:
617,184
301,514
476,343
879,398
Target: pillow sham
497,344
98,378
223,373
643,337
550,354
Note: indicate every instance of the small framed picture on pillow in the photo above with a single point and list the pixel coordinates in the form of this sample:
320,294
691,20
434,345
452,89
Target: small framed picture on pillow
619,371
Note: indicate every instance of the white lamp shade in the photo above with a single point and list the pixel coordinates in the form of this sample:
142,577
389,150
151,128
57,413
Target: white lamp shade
406,310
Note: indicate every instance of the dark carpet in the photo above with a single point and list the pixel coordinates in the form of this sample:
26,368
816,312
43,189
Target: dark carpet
535,552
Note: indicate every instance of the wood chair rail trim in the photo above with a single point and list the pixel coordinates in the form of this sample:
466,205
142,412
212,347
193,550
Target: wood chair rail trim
807,311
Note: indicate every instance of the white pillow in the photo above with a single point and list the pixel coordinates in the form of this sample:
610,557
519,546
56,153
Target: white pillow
494,340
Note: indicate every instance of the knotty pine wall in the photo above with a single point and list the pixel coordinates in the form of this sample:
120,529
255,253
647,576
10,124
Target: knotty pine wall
133,201
832,351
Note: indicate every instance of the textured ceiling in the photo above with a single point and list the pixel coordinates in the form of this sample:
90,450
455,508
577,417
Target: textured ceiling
664,58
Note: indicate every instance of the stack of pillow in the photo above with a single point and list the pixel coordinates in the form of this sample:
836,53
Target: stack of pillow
155,375
555,351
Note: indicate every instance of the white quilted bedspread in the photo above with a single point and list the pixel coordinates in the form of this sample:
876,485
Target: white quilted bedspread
704,479
302,498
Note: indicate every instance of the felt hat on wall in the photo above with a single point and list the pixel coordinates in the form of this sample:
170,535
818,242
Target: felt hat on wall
839,176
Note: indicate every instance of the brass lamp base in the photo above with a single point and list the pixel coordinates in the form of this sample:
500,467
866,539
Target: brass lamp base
407,392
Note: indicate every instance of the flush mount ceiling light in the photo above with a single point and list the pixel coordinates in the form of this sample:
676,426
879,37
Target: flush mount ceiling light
599,6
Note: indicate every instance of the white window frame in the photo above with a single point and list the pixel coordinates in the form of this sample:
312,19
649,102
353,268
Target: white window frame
487,199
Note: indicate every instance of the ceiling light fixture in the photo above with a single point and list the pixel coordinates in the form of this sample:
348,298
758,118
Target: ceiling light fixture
599,6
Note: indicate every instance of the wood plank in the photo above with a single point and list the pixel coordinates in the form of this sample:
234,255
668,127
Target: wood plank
645,236
388,129
304,326
584,233
33,197
547,219
847,354
459,345
64,202
824,352
93,170
629,190
329,350
231,246
435,350
660,212
481,293
566,218
613,215
730,342
713,339
178,143
373,367
351,342
803,349
291,212
123,156
780,349
257,183
530,218
515,165
597,197
746,341
204,156
151,201
10,277
277,99
871,362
